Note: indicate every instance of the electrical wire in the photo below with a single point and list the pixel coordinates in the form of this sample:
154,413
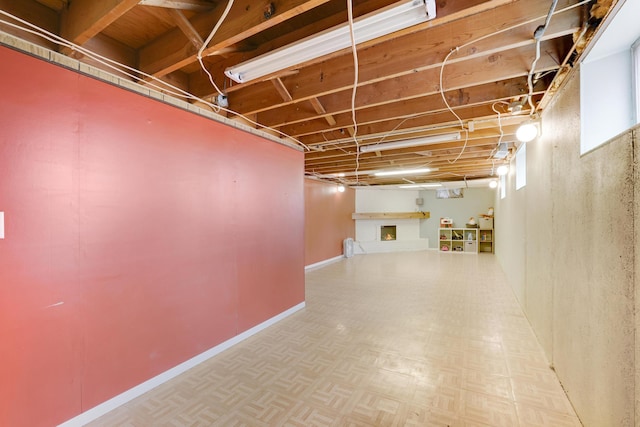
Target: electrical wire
493,107
486,36
120,68
354,92
444,98
208,40
537,35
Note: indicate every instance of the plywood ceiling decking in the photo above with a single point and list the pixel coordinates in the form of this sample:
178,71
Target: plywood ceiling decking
398,94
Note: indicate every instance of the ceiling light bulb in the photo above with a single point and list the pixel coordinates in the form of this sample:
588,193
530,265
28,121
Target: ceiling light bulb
502,170
341,188
527,131
493,184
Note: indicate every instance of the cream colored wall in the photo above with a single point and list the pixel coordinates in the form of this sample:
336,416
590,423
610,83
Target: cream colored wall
572,262
538,302
510,244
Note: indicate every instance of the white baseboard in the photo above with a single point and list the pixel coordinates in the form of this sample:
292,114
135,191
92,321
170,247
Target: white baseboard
323,263
111,404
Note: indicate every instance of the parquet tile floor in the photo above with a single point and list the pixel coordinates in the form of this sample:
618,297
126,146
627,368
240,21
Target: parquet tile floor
403,339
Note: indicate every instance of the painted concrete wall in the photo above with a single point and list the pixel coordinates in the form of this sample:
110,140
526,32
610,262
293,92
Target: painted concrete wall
574,274
510,222
368,231
137,236
538,298
386,200
476,201
327,220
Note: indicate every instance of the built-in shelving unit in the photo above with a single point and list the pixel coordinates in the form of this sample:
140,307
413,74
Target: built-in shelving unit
459,240
485,241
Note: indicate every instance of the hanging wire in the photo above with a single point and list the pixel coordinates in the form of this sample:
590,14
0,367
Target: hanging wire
538,36
354,92
128,71
444,98
208,40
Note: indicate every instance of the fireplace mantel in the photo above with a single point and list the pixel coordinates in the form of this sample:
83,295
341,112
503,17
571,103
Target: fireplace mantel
390,215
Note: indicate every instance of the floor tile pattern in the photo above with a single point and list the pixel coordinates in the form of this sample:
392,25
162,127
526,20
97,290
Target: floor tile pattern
404,339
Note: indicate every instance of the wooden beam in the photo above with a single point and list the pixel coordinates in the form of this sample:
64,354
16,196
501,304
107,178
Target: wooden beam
192,5
507,66
281,89
319,109
483,93
411,55
390,215
83,19
335,155
54,4
185,26
113,49
245,19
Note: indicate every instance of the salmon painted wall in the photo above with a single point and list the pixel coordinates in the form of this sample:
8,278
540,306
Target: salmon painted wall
137,235
327,220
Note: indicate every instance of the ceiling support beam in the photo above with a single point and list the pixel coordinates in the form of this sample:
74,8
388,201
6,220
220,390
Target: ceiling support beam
319,109
168,53
185,26
475,94
281,89
83,19
192,5
493,68
392,60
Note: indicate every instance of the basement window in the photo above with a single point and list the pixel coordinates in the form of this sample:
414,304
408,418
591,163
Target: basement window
609,92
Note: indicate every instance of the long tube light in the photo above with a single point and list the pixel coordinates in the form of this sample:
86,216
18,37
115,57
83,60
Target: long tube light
433,139
368,27
403,172
420,186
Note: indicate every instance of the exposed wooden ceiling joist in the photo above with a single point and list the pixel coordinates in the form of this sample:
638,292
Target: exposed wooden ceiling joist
193,5
482,50
83,19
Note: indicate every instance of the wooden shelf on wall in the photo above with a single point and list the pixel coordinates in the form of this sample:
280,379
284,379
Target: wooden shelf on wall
391,215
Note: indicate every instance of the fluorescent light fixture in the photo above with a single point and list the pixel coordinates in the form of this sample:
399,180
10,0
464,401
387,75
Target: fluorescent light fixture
502,170
368,27
528,131
403,172
420,186
416,142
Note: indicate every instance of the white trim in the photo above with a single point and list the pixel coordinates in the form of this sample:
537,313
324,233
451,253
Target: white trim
113,403
323,263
